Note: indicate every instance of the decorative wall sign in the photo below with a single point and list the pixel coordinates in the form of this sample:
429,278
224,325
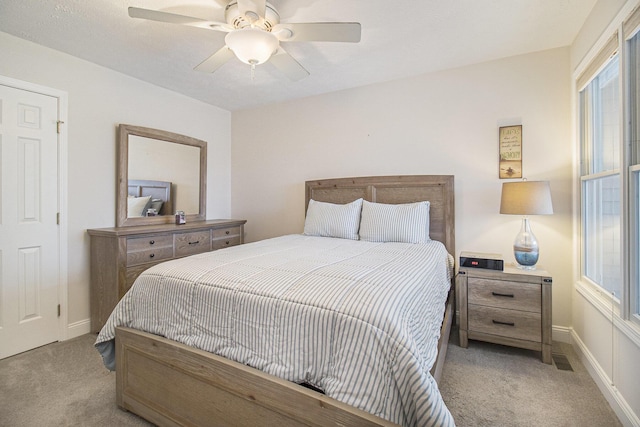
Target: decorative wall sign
510,142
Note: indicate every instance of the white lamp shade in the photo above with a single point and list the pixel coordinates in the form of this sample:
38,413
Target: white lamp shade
252,46
526,198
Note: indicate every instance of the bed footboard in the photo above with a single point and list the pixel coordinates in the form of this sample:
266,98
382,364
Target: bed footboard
171,384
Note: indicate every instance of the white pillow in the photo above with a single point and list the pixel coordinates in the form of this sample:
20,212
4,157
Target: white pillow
137,206
408,223
332,220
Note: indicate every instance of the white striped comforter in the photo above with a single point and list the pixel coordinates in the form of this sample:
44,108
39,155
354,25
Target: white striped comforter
359,320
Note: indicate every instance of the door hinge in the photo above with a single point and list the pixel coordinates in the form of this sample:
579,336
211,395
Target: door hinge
58,124
58,218
58,310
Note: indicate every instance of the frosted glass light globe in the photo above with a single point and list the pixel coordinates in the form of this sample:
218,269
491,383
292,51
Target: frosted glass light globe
252,46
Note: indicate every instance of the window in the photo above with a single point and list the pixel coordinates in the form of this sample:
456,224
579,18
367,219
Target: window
600,116
609,129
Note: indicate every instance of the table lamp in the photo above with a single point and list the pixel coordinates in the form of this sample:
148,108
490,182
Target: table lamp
526,198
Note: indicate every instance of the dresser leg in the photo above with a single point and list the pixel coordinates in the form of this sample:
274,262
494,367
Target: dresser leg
546,353
464,341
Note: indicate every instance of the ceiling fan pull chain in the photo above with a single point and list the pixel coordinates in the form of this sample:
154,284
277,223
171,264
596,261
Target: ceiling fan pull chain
253,72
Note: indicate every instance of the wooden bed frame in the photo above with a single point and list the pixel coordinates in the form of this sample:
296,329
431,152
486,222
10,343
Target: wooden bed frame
172,384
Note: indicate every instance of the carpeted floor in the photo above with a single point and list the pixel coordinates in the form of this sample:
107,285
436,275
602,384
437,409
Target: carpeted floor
494,385
65,384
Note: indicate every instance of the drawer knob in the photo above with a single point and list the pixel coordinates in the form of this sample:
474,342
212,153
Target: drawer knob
152,255
498,322
498,294
227,242
151,242
226,232
194,243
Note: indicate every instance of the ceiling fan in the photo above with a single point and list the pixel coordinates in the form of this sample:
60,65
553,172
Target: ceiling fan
254,33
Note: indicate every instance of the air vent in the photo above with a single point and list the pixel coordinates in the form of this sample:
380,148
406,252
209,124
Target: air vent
561,362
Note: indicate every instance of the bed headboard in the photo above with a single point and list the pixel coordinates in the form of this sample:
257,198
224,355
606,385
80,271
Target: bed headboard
156,189
437,189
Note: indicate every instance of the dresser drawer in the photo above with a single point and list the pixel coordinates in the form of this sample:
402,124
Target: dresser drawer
223,243
132,274
192,243
226,232
505,323
149,242
505,294
149,255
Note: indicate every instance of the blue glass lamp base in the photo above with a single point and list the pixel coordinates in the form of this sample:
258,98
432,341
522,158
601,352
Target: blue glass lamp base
525,247
526,259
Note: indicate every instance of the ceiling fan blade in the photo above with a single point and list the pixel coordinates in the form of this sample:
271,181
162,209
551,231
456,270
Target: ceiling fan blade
318,31
288,65
259,7
172,18
215,61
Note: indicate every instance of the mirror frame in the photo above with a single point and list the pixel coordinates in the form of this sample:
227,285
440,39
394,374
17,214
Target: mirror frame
122,174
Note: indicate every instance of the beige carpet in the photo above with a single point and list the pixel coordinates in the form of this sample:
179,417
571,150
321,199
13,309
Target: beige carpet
65,384
493,385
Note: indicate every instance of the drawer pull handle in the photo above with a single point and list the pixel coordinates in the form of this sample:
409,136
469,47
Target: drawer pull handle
151,242
194,243
152,255
497,322
226,232
498,294
227,242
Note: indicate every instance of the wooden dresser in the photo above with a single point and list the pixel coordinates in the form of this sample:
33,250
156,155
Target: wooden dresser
510,307
120,254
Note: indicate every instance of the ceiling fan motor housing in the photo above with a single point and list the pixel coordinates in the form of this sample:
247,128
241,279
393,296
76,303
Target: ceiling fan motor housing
238,20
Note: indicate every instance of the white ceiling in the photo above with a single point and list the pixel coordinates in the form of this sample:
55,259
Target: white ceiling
400,38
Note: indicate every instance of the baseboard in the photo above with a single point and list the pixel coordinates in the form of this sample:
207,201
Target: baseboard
78,328
561,334
619,405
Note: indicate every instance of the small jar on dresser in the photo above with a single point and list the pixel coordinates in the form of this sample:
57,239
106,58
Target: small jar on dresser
120,254
510,307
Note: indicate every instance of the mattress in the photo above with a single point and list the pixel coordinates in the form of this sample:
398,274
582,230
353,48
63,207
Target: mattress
358,320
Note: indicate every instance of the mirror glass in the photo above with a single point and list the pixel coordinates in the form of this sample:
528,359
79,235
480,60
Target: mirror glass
159,173
152,159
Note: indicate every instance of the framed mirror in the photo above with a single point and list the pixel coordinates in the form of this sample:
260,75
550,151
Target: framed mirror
159,173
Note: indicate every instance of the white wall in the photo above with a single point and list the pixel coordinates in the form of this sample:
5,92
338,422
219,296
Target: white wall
609,345
99,99
441,123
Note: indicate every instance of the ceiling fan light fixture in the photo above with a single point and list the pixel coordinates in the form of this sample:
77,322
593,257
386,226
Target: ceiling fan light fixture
252,46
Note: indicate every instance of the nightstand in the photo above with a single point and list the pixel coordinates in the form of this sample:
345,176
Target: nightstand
510,307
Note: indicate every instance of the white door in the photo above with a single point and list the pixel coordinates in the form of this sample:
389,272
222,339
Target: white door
29,240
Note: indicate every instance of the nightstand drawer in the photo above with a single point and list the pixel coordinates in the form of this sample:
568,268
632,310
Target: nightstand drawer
505,294
506,323
149,255
192,243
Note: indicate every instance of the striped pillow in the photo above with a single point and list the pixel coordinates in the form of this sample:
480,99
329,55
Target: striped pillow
332,220
408,223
